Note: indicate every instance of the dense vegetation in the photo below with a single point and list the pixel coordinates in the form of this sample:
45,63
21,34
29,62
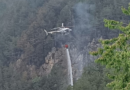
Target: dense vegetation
115,54
93,78
22,36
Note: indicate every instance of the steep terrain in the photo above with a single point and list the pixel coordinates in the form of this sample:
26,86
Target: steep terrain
30,60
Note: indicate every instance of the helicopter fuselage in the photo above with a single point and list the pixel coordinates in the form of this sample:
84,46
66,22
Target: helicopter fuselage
61,29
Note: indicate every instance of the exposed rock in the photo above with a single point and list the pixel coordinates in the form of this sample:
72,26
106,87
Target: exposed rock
79,58
31,71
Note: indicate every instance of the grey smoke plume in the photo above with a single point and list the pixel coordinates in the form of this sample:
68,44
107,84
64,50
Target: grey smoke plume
83,19
83,31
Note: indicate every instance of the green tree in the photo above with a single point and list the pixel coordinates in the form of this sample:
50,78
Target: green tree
115,54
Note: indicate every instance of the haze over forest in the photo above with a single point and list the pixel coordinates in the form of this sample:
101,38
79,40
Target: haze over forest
31,60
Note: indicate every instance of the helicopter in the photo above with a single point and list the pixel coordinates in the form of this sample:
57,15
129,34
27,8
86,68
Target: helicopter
61,29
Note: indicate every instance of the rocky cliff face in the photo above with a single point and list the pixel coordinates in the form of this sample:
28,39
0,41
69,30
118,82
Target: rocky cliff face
57,55
81,58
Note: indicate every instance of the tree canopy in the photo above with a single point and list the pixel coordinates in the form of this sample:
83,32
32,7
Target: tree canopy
115,54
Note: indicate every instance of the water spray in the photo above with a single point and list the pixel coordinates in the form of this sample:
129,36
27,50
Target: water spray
69,66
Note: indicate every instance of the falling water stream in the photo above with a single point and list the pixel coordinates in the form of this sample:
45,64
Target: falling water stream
69,68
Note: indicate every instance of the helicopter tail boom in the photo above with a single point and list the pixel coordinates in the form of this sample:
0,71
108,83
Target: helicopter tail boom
46,32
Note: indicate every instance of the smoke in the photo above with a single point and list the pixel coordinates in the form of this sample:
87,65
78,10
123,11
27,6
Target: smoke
83,19
83,31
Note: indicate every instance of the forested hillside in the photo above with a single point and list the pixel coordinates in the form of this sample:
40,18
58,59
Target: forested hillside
30,60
